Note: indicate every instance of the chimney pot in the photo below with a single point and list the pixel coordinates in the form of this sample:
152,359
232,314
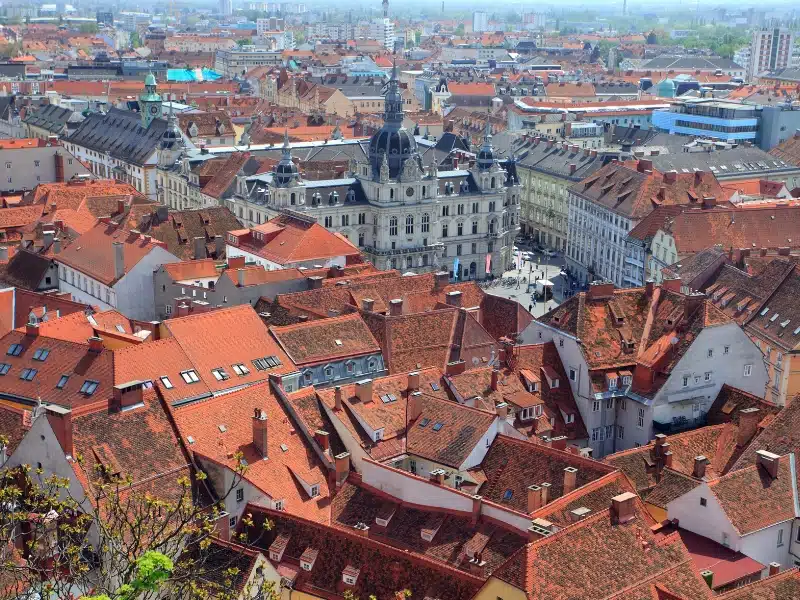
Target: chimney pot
622,507
364,390
323,439
414,407
769,462
774,568
396,307
748,425
413,381
570,479
342,462
367,304
545,492
95,344
502,410
534,498
32,329
699,466
453,298
495,379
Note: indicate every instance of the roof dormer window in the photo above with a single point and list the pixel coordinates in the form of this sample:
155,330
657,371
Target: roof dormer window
190,376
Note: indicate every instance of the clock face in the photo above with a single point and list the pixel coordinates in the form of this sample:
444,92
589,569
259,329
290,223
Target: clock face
154,110
410,192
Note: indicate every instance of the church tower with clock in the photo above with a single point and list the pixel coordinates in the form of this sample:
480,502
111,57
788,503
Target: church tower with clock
149,101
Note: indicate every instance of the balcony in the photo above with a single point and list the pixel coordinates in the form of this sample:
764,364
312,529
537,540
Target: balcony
401,251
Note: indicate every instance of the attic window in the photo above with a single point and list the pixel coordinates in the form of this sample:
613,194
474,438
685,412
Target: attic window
120,328
15,350
337,342
438,426
785,323
190,376
765,311
241,370
268,362
435,386
41,354
424,422
284,448
166,382
220,374
388,398
508,494
4,367
28,374
62,382
89,386
222,428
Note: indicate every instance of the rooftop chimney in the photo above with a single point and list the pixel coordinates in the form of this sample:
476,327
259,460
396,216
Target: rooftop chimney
396,307
700,463
649,286
240,277
600,289
199,248
342,462
314,282
60,420
414,406
127,395
337,397
545,492
453,298
260,431
95,344
748,425
364,390
502,410
413,381
572,168
441,281
774,568
622,507
534,498
323,439
367,304
495,379
32,329
119,260
671,176
769,462
570,479
644,165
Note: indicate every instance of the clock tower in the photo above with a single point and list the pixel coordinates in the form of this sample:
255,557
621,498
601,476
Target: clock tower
150,101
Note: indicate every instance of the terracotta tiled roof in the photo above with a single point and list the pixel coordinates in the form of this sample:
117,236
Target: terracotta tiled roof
777,319
225,177
471,89
192,269
182,227
140,443
222,426
72,194
208,124
223,338
19,216
14,424
784,586
383,569
377,414
325,340
753,500
634,194
511,465
76,361
731,401
781,436
626,558
286,240
788,150
93,253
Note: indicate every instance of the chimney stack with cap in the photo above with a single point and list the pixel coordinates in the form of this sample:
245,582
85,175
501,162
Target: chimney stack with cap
396,307
364,390
534,498
337,398
453,298
622,508
570,479
700,463
260,431
748,425
441,281
413,381
495,379
127,395
367,304
769,462
342,462
414,406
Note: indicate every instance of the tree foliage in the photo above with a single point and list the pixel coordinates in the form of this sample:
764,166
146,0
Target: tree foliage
120,540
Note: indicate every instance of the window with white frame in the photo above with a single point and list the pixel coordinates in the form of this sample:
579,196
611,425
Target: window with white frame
707,376
609,404
596,406
240,495
620,432
640,420
748,370
710,353
686,381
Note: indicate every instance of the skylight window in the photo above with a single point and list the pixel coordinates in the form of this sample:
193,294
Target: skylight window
388,398
268,362
41,354
796,331
120,328
337,342
220,374
89,387
765,311
508,494
190,376
15,350
773,317
424,422
435,386
4,367
166,382
28,374
438,426
62,382
240,369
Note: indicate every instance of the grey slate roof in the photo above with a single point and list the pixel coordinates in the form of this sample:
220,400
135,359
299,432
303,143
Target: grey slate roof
120,133
552,161
725,164
51,117
690,63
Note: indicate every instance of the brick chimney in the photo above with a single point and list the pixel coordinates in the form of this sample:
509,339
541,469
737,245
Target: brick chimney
441,281
396,307
559,442
570,479
572,168
364,390
774,568
709,202
95,344
495,379
367,304
314,282
413,381
748,425
502,410
32,330
622,508
60,420
672,285
127,395
199,247
769,462
668,459
342,462
700,463
260,431
671,176
534,498
414,408
453,298
545,492
323,439
649,287
337,398
644,165
601,289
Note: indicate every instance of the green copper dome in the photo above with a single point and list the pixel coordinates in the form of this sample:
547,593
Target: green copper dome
150,79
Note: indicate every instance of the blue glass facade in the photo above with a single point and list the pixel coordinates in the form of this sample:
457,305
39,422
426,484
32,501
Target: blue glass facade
733,129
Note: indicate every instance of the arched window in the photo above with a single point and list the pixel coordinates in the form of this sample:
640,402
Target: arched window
423,191
426,223
492,184
492,225
391,194
293,199
475,227
393,226
409,224
460,228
